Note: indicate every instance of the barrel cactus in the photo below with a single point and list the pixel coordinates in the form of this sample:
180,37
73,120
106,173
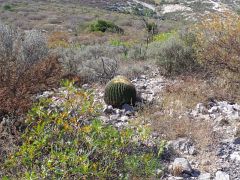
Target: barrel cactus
119,91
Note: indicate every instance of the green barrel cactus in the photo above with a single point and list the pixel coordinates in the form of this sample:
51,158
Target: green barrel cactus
120,91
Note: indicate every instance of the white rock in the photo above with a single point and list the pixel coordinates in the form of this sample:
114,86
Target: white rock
213,109
114,117
235,156
124,118
185,145
220,175
205,176
175,178
85,86
103,118
108,109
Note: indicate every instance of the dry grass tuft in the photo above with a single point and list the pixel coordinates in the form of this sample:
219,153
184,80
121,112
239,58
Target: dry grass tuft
171,120
58,39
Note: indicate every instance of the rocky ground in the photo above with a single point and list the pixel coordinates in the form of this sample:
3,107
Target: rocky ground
189,10
184,159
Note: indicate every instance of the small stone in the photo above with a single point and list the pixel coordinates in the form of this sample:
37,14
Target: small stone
220,175
175,178
114,117
142,77
205,176
192,150
85,86
180,166
236,140
127,107
235,156
124,118
159,172
103,118
185,145
118,111
214,109
108,109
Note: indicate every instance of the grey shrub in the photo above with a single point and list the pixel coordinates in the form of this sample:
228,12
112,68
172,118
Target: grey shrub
34,46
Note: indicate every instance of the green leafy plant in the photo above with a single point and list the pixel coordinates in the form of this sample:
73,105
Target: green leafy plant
164,36
117,42
67,141
105,26
119,91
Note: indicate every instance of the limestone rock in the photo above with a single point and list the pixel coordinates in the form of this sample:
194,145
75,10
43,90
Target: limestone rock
220,175
205,176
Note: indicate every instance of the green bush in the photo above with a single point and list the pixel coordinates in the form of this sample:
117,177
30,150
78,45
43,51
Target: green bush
151,27
105,26
8,7
161,37
173,56
68,141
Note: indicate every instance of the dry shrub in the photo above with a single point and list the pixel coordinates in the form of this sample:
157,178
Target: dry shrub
26,68
58,39
16,97
218,42
42,76
170,118
171,124
187,91
92,63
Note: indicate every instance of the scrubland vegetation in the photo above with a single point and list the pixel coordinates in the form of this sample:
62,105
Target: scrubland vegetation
203,58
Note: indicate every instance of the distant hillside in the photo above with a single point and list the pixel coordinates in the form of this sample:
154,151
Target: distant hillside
168,9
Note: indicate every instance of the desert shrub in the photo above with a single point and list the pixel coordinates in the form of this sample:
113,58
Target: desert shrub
23,59
58,39
92,63
105,26
137,52
21,50
8,7
123,44
16,95
134,68
7,36
67,141
217,46
173,56
34,46
218,42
